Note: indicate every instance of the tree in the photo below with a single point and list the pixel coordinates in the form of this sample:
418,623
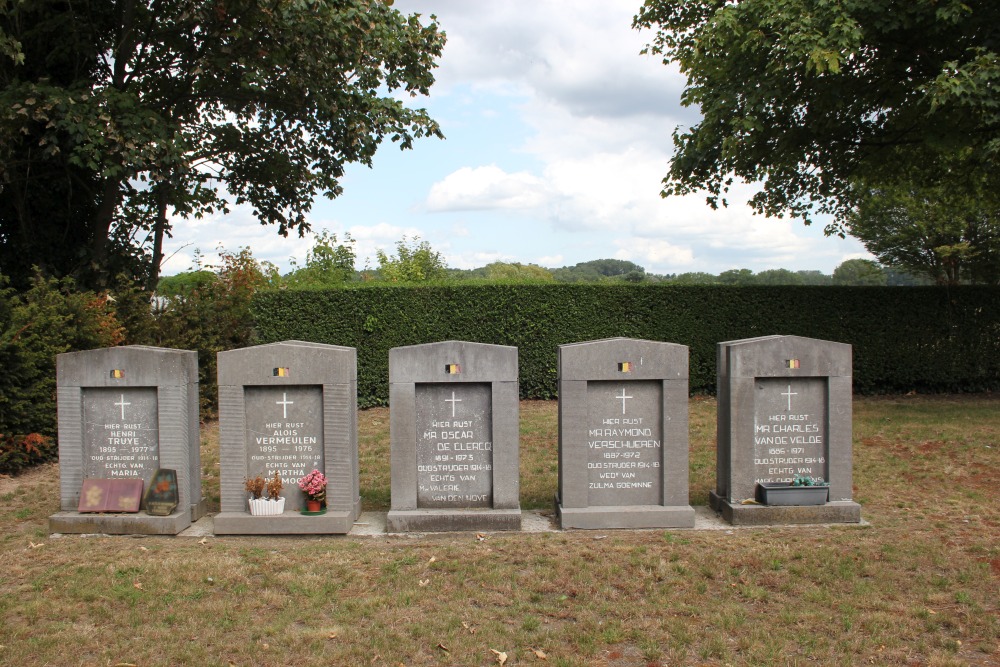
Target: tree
814,278
327,262
940,225
174,106
812,98
694,278
863,272
737,277
515,272
597,270
414,262
777,277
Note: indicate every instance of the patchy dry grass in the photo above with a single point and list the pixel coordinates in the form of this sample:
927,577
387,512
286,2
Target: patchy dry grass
918,586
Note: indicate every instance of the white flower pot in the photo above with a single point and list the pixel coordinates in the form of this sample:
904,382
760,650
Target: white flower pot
266,506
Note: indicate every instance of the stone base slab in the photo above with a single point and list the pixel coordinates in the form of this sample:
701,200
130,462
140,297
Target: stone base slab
447,520
290,522
119,524
625,516
840,511
198,510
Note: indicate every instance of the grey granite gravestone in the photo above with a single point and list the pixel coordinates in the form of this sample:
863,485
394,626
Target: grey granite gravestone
454,432
124,412
784,410
289,408
623,435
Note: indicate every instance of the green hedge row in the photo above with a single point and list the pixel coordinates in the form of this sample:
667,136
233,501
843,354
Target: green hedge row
927,339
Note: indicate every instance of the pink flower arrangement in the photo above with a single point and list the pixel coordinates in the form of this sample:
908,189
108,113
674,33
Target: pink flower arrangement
314,485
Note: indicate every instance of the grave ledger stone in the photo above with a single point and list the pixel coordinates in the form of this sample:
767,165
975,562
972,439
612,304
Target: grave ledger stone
289,408
454,433
623,435
123,413
784,410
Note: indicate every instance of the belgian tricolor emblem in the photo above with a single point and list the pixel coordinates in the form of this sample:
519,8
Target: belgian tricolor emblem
281,372
117,373
452,369
791,363
626,367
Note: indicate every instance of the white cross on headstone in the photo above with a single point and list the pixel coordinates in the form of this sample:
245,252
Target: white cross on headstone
123,403
284,403
623,397
789,394
453,401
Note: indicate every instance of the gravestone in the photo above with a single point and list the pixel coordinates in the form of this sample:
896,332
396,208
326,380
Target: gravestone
784,410
123,413
289,408
454,434
623,435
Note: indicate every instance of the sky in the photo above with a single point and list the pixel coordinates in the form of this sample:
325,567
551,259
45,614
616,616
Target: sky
558,135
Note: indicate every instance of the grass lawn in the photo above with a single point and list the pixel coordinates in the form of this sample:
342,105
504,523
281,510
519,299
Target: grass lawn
919,585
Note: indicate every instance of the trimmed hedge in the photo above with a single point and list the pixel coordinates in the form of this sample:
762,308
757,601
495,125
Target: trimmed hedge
927,339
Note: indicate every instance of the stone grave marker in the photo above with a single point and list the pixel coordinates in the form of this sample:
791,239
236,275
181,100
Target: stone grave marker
784,410
454,436
123,413
623,435
289,408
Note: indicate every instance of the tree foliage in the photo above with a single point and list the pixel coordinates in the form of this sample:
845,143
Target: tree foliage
810,98
50,318
943,225
142,109
859,273
414,262
328,263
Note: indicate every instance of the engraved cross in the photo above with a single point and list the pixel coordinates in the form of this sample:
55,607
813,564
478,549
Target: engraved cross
789,394
623,397
453,401
284,403
123,403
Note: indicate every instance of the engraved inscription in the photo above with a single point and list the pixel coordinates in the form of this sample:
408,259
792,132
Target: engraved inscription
121,434
624,443
285,435
790,429
454,445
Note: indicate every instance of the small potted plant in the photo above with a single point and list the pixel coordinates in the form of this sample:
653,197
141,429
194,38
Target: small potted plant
314,486
802,490
274,504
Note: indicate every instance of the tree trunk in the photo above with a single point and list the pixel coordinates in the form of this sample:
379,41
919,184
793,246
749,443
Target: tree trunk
110,198
159,228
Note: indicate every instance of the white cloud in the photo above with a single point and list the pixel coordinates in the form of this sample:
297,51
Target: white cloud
474,260
551,261
481,188
654,254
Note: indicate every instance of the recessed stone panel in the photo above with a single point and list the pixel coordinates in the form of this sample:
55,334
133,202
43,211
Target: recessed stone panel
121,433
284,435
625,443
455,445
790,429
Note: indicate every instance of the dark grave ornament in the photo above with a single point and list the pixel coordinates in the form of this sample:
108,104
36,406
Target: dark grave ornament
162,496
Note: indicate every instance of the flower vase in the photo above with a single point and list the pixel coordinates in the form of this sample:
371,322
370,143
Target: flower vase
313,505
266,506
